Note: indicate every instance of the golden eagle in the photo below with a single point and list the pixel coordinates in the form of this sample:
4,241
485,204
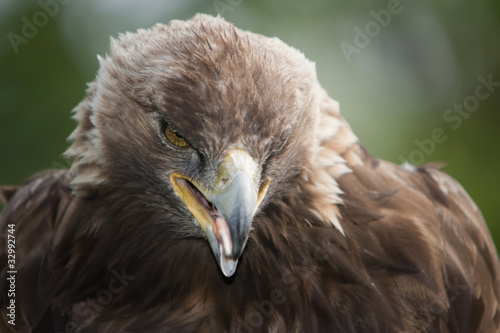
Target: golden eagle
216,188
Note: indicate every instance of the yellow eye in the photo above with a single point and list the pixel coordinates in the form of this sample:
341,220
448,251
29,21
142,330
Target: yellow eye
175,138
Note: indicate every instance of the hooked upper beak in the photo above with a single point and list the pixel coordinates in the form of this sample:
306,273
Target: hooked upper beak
225,212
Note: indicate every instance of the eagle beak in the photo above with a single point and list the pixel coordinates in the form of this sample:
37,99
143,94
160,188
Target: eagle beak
225,212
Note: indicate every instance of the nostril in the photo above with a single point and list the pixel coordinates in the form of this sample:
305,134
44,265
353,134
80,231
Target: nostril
224,180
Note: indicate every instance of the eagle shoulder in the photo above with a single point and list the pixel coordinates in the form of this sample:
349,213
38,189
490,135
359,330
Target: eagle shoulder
418,228
472,270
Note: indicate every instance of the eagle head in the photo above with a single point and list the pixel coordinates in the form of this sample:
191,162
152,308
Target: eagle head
200,121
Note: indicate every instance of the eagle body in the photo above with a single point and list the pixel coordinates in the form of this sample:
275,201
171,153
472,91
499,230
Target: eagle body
216,188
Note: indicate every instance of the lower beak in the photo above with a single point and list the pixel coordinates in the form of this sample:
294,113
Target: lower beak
225,212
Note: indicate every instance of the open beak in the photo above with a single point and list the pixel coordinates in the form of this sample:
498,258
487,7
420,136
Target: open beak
225,212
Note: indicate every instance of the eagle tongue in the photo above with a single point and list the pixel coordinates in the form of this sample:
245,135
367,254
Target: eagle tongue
226,262
224,237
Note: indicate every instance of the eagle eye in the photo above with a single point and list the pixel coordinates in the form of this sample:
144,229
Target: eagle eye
174,138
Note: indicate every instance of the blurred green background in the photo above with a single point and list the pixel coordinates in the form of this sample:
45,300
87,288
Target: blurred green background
400,69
